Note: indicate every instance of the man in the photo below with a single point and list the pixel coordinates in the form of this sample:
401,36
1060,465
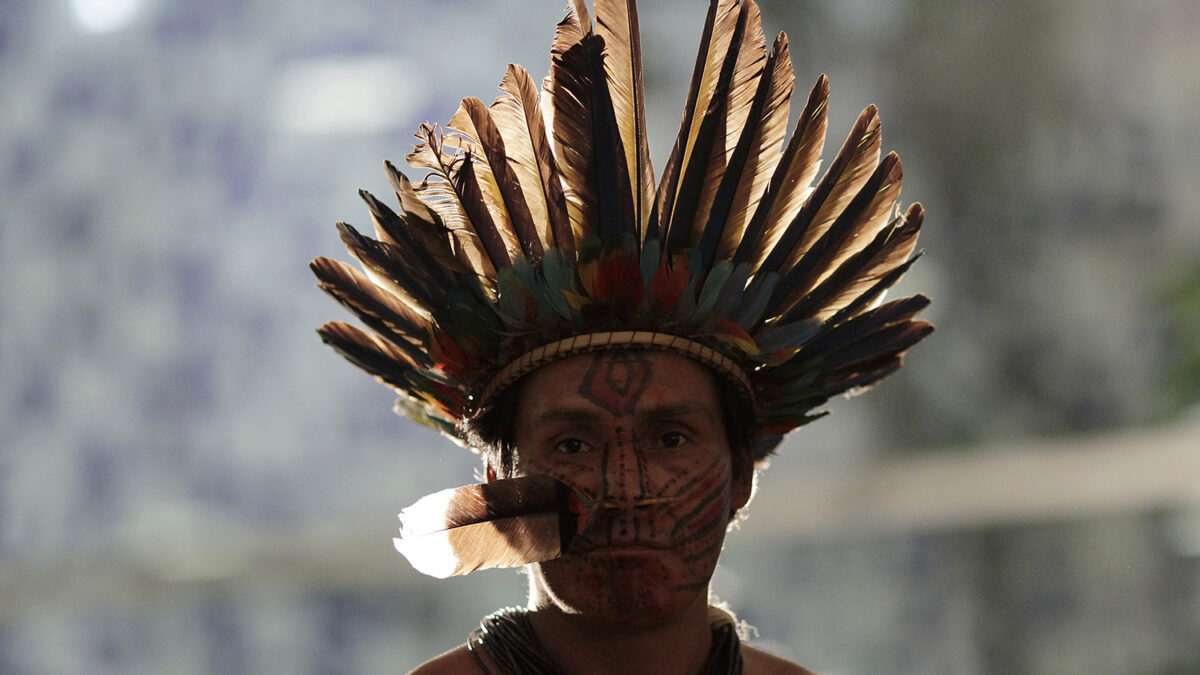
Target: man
622,354
631,427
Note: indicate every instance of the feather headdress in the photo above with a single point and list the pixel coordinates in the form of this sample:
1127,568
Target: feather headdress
539,233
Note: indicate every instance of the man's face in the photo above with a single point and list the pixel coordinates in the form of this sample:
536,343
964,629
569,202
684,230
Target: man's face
642,433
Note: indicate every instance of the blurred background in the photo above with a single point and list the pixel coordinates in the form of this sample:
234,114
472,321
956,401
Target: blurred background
191,483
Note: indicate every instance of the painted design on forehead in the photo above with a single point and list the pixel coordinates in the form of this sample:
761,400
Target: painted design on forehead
616,380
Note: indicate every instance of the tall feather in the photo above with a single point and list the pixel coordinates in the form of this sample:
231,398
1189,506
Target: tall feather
704,160
719,26
519,120
440,191
752,160
749,45
854,229
504,523
465,140
617,24
385,265
392,230
891,247
790,183
588,141
846,174
858,155
519,217
770,127
474,203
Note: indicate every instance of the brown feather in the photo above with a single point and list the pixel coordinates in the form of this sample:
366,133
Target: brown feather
790,183
854,229
587,138
769,131
466,139
385,361
617,24
519,120
475,205
891,247
387,268
424,223
723,229
567,104
513,199
439,192
503,523
749,55
401,320
843,172
719,26
705,160
862,158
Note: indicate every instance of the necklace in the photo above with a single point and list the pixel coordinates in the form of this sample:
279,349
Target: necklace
508,638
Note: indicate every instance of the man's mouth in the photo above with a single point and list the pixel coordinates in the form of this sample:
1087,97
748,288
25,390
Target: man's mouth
609,546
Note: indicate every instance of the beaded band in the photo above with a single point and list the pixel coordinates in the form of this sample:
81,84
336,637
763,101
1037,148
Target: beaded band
624,339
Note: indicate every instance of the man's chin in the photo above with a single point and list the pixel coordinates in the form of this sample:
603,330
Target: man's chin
631,588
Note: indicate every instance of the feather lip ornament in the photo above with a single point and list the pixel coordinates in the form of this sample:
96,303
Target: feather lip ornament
539,222
502,523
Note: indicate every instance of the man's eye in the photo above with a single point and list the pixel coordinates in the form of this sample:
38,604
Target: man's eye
569,446
672,439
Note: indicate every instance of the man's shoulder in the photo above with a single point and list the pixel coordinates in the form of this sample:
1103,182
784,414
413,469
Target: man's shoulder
457,661
758,662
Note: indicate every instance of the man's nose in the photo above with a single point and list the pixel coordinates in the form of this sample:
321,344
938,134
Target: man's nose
622,473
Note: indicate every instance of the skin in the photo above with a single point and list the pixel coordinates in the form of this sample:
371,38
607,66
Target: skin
641,434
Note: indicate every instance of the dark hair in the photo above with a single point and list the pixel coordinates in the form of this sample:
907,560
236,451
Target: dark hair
491,430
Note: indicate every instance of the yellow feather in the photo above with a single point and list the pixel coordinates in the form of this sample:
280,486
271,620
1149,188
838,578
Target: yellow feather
512,112
616,22
764,156
803,162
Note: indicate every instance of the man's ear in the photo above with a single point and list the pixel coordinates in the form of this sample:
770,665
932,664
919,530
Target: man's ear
490,472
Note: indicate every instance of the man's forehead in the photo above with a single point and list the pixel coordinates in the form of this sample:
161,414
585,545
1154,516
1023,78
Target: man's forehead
619,382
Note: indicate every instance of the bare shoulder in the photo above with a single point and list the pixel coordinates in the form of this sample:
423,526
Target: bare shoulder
457,661
758,662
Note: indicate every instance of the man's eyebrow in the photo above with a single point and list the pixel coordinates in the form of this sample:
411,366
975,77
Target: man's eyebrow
672,410
567,413
585,414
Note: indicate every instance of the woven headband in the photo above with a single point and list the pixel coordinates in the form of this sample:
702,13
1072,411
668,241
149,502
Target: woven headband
627,339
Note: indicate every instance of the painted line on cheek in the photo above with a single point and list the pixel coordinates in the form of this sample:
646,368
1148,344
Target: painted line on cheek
704,552
704,474
705,510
